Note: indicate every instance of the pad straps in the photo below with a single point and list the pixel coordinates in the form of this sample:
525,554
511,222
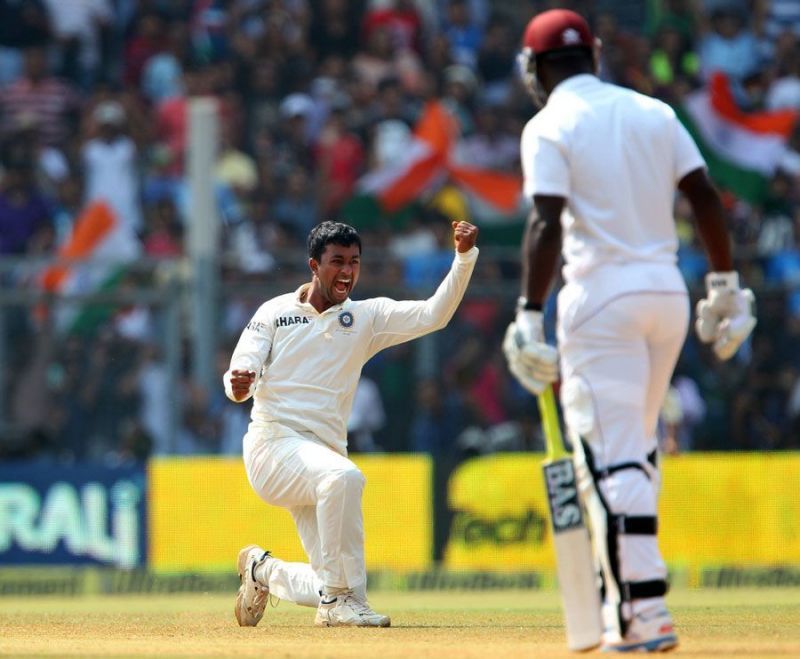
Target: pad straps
620,524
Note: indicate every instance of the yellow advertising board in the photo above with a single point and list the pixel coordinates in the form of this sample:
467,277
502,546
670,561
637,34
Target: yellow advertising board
716,510
731,509
202,510
500,516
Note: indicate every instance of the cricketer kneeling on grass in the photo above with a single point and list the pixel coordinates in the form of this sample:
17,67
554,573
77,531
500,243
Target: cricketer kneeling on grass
602,164
300,358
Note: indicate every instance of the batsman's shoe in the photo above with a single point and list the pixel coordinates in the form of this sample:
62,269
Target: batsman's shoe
252,597
648,632
345,609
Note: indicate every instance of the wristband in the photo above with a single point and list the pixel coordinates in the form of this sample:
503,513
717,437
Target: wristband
524,304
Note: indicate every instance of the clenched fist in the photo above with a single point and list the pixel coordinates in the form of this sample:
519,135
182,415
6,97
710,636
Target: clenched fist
241,381
464,235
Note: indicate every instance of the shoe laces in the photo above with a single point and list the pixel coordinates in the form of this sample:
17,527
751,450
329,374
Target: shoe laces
259,597
357,604
261,591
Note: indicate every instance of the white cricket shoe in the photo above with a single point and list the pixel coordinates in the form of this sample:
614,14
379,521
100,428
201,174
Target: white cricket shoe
648,632
345,609
252,597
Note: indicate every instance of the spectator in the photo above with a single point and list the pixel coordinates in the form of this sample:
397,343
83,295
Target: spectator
109,161
784,93
161,68
491,146
496,60
81,29
402,22
51,103
377,60
163,235
339,158
22,25
172,116
25,214
366,417
463,34
51,164
334,28
438,419
459,93
297,207
672,57
729,46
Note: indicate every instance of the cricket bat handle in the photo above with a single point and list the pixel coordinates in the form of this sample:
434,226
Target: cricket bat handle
552,428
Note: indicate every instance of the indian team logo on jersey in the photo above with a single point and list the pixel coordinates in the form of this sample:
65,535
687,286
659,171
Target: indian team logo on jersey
346,319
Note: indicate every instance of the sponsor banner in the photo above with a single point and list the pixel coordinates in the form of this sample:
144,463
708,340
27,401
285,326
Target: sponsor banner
78,581
499,515
737,577
203,510
716,510
81,514
730,509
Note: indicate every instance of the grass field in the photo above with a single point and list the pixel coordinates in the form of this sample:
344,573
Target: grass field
732,623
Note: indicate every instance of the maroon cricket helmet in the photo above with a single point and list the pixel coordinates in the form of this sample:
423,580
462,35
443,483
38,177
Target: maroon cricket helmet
556,29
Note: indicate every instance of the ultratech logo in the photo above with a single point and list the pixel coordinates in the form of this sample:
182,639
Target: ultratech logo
736,577
285,321
442,580
529,527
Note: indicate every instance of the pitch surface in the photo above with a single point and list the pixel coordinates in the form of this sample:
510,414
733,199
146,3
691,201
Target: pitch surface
728,623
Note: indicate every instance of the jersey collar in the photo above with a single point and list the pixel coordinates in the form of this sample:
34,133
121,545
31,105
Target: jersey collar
301,293
575,83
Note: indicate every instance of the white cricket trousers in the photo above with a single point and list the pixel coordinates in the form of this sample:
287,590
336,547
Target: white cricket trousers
618,352
322,490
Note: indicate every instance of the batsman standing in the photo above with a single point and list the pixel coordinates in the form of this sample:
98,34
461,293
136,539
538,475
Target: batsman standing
300,358
602,165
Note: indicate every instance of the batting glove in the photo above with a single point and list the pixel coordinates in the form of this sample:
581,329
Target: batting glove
532,361
725,316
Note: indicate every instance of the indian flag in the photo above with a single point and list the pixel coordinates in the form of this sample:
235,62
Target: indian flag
93,258
743,150
422,162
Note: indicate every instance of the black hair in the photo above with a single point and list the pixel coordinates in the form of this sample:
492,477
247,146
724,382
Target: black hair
328,232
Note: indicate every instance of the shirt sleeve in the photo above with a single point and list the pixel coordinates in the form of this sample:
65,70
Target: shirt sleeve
396,322
687,155
544,164
252,351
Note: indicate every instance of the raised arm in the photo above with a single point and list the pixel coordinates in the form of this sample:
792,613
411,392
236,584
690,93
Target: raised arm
395,322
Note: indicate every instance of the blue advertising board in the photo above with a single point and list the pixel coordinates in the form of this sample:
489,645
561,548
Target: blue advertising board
72,515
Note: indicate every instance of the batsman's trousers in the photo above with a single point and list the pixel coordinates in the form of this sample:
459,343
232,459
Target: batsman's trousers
620,334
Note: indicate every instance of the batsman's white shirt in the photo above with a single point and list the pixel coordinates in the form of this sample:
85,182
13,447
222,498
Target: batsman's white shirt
616,156
308,363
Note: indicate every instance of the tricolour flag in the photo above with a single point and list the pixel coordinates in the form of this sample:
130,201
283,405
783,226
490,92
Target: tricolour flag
425,163
93,258
743,150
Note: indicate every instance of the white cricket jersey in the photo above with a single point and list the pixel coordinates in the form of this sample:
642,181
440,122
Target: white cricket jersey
616,156
307,363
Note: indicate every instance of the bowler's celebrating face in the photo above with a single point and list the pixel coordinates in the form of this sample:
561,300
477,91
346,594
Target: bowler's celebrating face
336,272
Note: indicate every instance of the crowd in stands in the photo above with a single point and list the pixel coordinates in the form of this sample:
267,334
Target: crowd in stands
311,95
